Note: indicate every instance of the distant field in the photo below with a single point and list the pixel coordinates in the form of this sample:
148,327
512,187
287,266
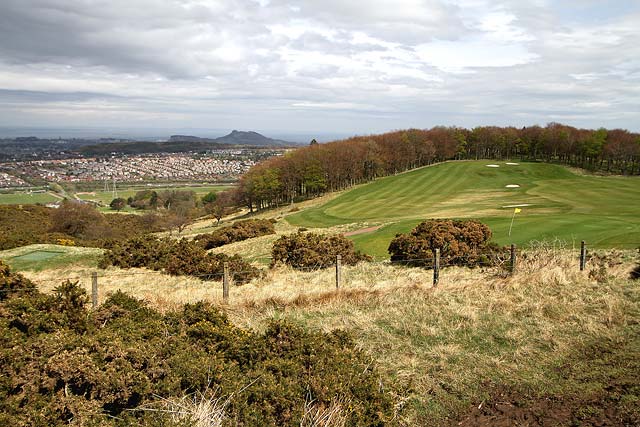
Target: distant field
105,197
604,211
44,256
26,198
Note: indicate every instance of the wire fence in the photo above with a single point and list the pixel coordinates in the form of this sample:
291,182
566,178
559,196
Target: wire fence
505,261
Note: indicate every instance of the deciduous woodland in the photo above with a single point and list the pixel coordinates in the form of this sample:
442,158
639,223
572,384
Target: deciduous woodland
319,168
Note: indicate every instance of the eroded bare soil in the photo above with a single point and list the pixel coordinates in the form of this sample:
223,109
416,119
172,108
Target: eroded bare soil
602,389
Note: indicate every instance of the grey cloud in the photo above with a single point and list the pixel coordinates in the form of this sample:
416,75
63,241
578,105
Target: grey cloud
218,64
389,20
341,44
157,37
26,96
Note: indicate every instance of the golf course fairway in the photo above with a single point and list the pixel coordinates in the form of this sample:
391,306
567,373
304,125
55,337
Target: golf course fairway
556,203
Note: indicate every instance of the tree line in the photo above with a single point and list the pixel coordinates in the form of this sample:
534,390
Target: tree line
319,168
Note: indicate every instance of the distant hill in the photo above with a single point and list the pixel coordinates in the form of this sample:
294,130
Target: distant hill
236,138
189,138
185,143
147,147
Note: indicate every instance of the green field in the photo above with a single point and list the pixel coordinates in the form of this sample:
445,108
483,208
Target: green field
102,197
604,211
25,198
105,197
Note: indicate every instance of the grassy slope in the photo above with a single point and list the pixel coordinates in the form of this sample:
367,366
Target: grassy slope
548,331
601,210
535,332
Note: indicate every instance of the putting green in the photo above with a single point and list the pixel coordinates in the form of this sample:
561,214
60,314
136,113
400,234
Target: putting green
37,256
40,257
555,203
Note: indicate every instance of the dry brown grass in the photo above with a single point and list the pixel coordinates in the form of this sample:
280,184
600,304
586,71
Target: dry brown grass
332,415
436,345
199,409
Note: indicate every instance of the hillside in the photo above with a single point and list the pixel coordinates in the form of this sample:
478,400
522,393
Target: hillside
556,202
149,147
184,143
235,138
251,138
479,349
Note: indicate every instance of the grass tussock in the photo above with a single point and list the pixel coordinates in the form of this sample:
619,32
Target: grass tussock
332,415
199,409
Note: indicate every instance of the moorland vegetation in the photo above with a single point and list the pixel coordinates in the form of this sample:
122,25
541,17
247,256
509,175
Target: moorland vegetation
127,364
71,224
80,223
314,251
176,257
236,232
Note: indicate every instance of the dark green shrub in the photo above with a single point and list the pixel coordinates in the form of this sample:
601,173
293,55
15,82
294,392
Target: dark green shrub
237,232
118,204
178,258
310,250
13,283
145,199
29,224
78,219
130,357
146,251
460,243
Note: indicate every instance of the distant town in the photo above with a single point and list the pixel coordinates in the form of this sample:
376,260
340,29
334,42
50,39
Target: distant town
31,161
223,165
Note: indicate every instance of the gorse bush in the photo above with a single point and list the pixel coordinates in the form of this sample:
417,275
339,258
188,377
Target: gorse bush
239,231
303,250
176,257
460,243
61,364
13,283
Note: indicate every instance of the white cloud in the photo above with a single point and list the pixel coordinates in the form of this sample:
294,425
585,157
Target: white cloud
361,68
456,57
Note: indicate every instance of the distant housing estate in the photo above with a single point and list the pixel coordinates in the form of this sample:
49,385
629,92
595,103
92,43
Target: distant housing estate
130,169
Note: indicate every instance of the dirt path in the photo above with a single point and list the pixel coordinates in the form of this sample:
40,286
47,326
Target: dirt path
363,230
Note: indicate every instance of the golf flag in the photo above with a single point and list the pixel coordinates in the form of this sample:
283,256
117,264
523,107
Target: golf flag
515,211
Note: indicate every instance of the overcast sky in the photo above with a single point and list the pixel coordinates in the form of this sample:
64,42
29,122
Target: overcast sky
319,66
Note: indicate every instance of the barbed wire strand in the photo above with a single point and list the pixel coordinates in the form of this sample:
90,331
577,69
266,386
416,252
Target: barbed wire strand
424,263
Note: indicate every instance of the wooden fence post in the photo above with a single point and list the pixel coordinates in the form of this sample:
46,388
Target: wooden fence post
94,289
513,258
338,270
436,267
225,281
583,255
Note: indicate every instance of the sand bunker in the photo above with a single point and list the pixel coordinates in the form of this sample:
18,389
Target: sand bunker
492,166
512,186
518,206
512,164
